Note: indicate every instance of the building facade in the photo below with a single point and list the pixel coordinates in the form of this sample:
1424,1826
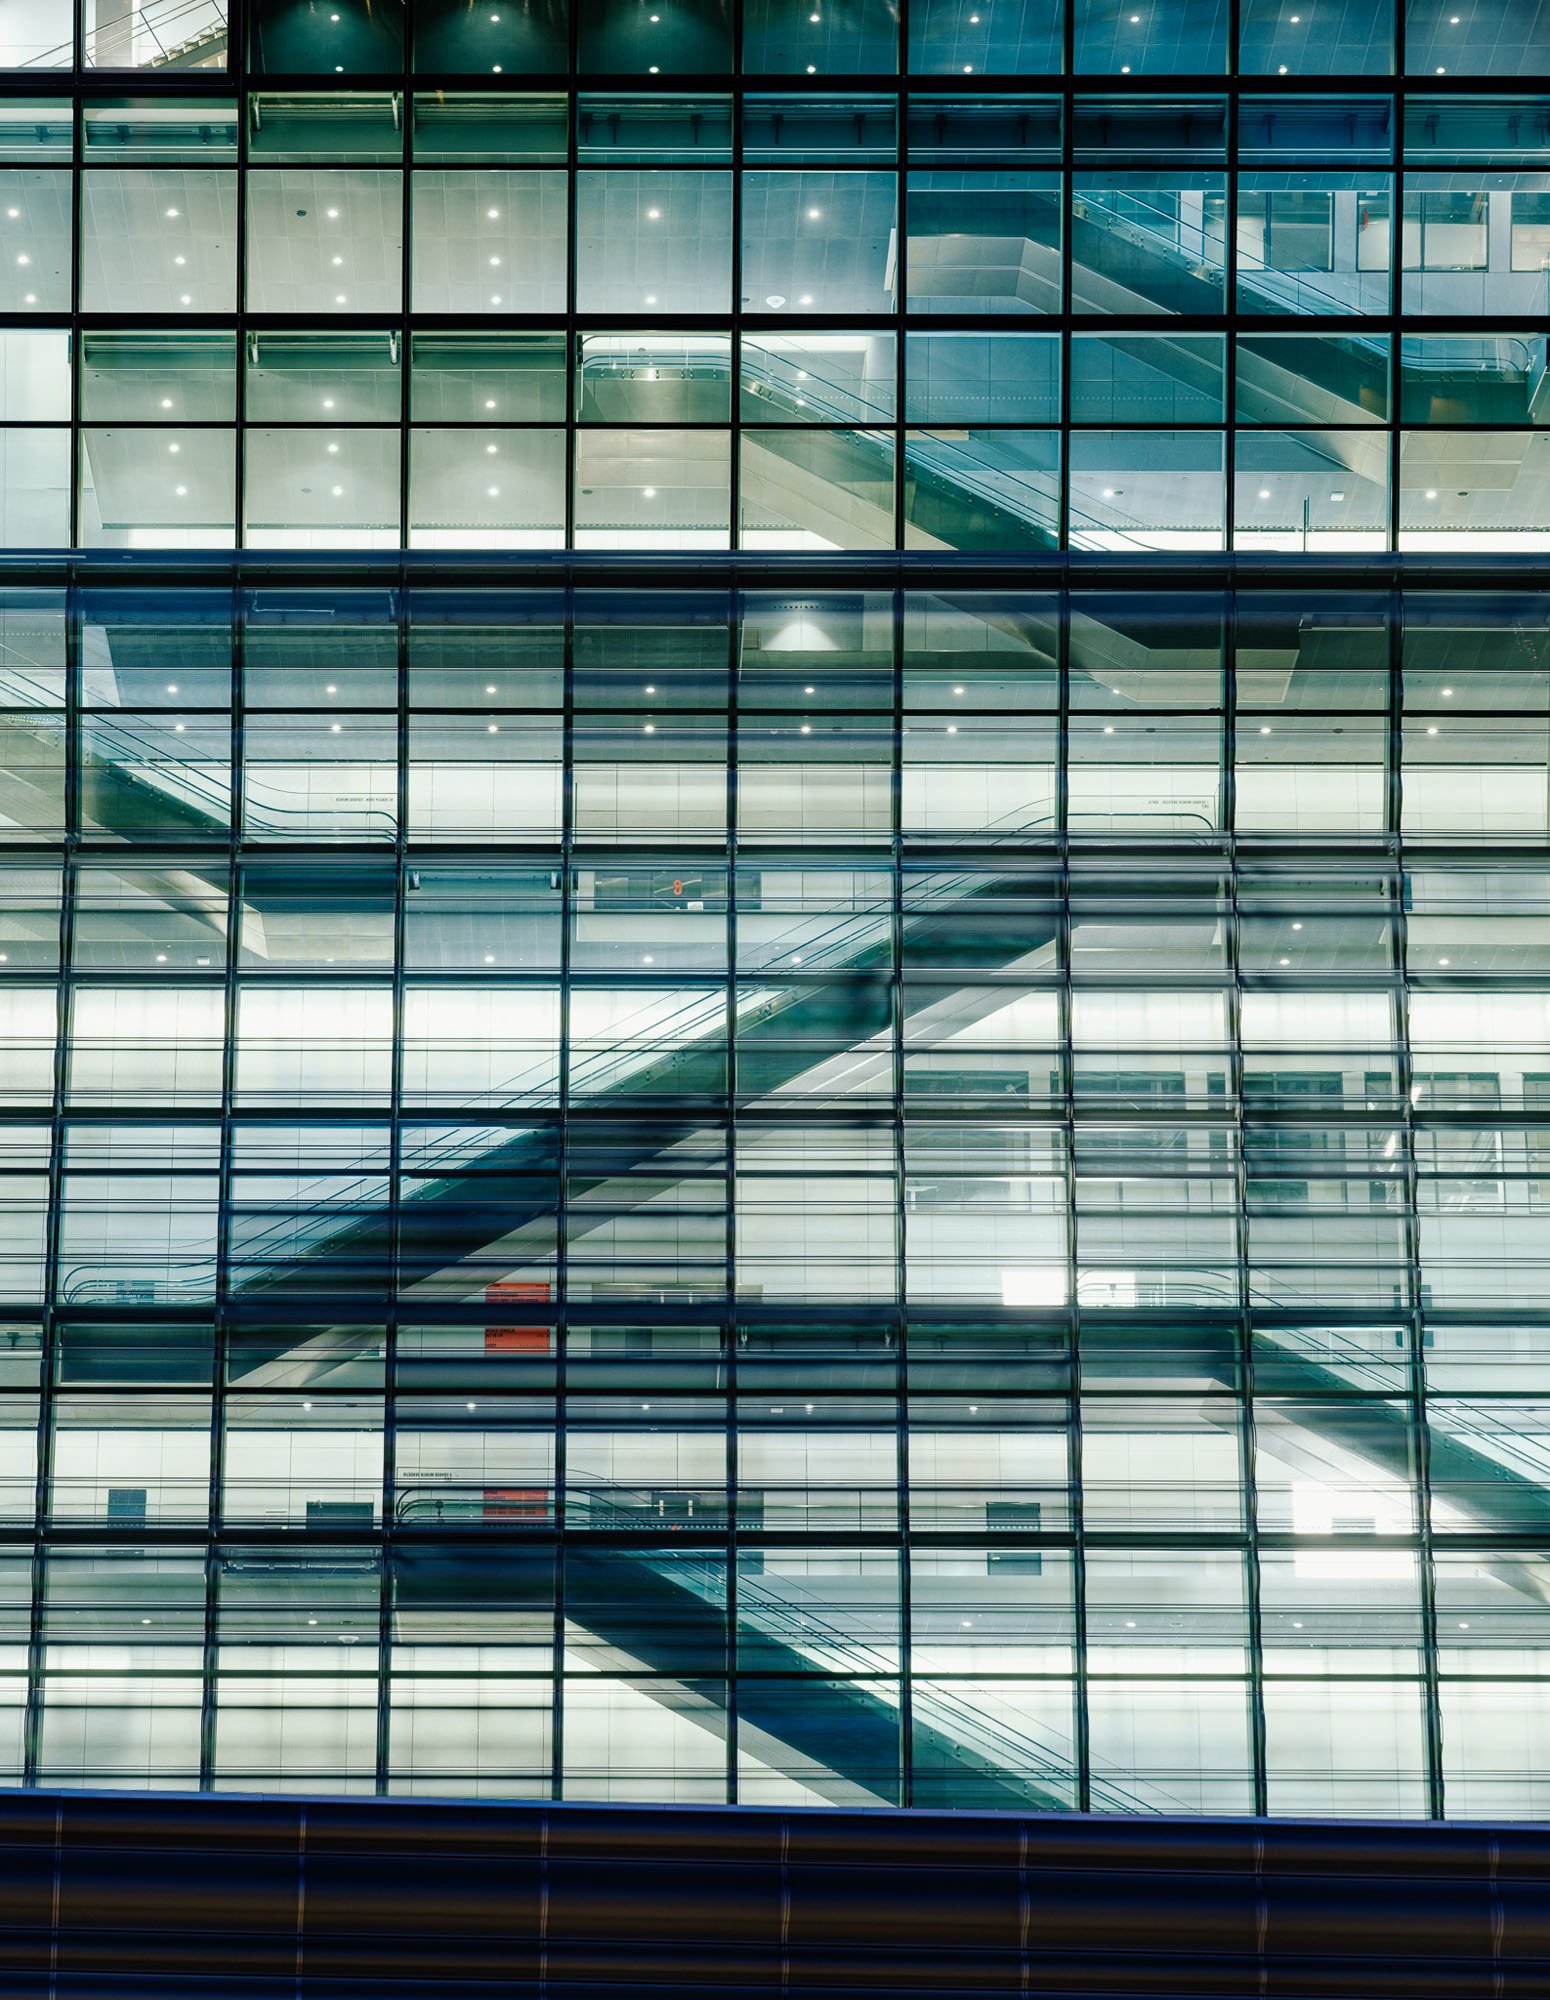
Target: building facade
774,905
615,277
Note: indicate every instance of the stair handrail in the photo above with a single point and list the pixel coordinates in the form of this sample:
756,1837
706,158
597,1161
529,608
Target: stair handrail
141,19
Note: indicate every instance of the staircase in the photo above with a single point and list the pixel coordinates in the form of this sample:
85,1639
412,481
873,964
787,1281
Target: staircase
178,34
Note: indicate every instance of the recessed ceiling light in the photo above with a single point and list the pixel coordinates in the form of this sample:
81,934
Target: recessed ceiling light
649,492
337,491
333,214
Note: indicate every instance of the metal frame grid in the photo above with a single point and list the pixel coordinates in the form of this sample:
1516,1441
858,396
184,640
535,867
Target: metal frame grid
907,1363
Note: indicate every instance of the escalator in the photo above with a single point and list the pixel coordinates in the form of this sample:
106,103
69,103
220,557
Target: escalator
492,1193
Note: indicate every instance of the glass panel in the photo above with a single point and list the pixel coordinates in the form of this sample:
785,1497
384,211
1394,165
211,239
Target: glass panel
187,501
817,377
653,239
1357,41
37,238
816,489
485,489
1311,489
653,489
1023,39
1148,243
780,37
1147,378
1313,243
981,378
1166,40
323,378
467,378
1010,264
318,489
325,241
158,377
158,242
1147,489
822,242
488,242
38,36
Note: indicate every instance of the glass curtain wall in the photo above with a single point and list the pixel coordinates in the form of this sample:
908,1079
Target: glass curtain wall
610,277
874,1191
